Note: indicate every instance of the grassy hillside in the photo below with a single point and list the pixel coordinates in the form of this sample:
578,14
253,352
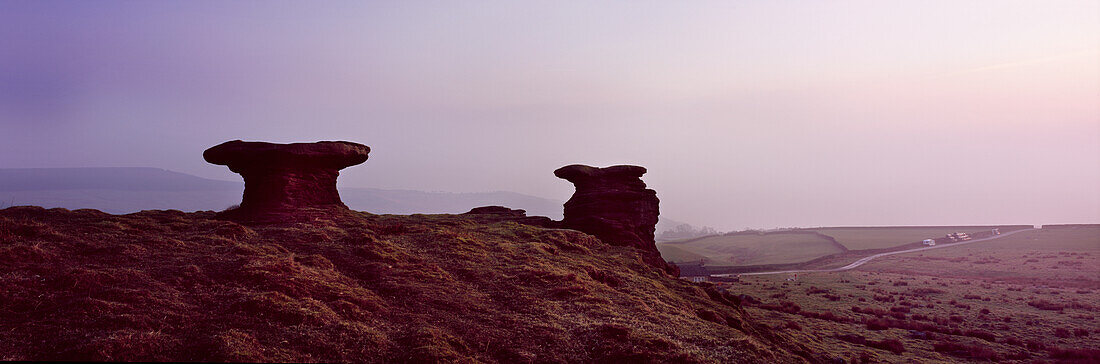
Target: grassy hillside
675,254
1030,297
1052,256
859,238
349,287
755,249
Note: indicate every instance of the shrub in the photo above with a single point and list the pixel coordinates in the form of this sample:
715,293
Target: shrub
1081,306
1036,345
892,345
1061,332
915,334
793,325
1079,332
981,334
1046,305
888,299
392,229
984,311
605,278
878,312
1080,355
825,315
878,324
965,351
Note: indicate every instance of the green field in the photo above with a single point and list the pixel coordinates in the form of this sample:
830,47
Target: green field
801,245
751,249
859,238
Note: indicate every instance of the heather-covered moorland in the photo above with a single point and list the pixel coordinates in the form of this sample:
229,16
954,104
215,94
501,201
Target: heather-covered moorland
337,285
1032,296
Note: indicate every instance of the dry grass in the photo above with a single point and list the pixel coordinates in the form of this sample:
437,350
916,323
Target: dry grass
349,287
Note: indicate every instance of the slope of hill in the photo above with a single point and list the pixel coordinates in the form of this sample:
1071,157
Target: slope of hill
1030,297
115,190
123,179
350,286
675,254
881,237
751,248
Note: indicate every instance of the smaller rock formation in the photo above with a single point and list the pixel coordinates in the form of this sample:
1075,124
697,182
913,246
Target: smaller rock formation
281,178
501,213
614,204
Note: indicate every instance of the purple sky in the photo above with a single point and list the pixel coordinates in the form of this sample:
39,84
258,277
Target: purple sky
747,114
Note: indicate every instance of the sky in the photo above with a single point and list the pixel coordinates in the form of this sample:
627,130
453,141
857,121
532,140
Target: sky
747,114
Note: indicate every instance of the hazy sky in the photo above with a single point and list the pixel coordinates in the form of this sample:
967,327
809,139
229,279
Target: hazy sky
746,113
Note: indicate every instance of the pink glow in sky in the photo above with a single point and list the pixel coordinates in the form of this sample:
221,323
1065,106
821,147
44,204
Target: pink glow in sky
747,114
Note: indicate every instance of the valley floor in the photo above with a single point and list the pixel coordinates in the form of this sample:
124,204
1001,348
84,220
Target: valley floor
1033,296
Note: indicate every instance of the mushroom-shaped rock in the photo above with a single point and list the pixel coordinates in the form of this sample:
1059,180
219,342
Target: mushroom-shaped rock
614,204
280,178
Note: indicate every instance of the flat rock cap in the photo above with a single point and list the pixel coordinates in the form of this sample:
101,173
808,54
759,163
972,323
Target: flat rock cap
325,154
576,172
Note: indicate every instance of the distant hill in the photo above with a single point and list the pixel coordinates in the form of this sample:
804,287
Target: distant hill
115,190
126,190
124,179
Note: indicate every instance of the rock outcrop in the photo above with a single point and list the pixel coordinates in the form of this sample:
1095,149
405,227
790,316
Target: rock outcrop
282,178
614,204
501,213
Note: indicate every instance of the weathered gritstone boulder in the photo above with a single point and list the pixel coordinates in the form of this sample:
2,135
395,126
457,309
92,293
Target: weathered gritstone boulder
282,178
501,213
614,204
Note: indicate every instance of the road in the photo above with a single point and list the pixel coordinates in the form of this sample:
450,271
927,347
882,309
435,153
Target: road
864,260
